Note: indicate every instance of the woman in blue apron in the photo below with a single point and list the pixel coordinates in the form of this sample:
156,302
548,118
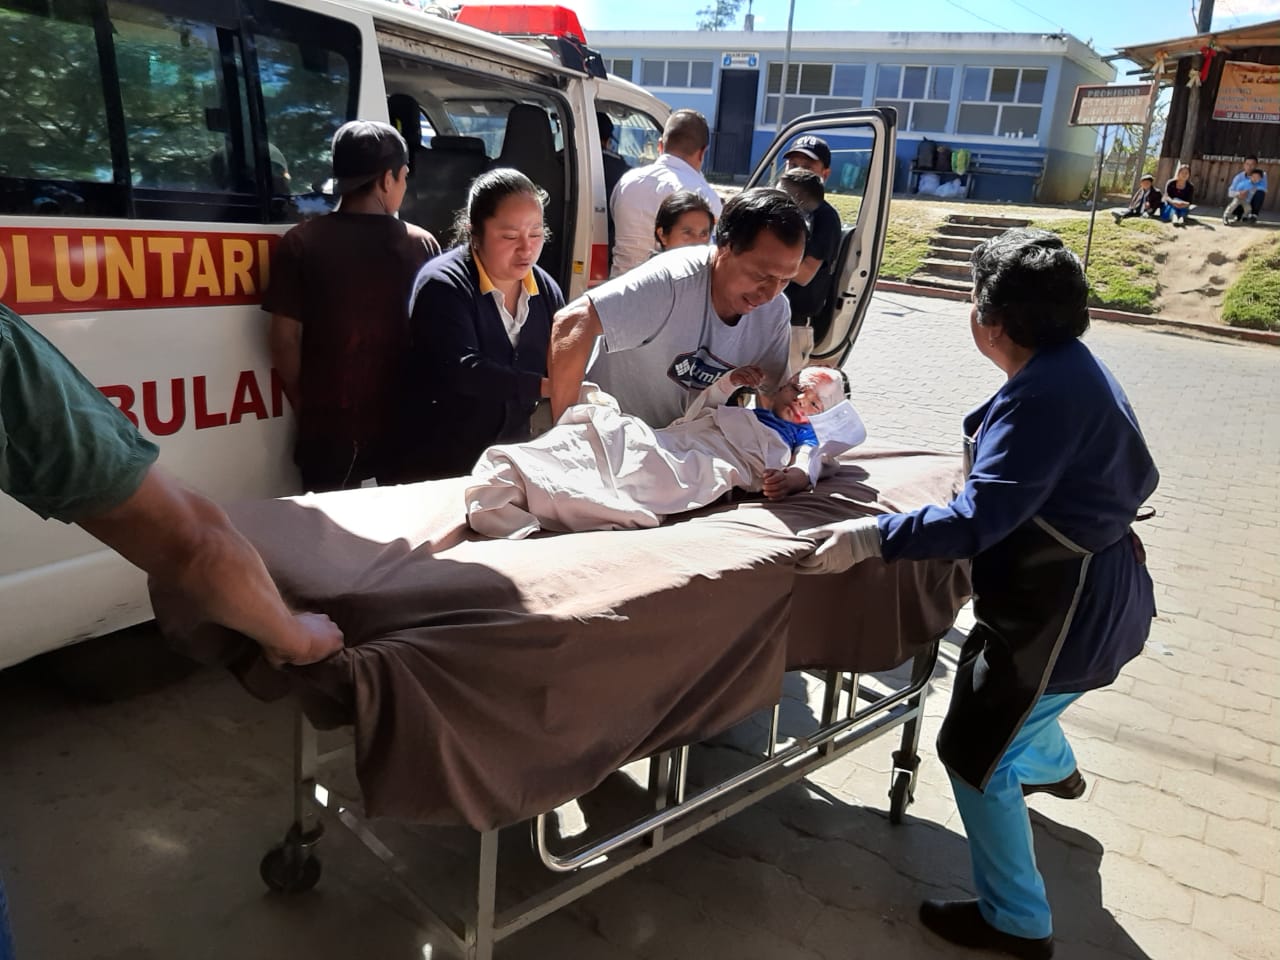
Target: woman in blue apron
1057,470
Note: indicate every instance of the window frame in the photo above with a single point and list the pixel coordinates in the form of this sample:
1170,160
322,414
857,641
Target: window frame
999,105
907,118
242,87
806,102
666,73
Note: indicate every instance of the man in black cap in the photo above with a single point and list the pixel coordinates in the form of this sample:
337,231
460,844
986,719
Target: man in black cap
339,305
811,288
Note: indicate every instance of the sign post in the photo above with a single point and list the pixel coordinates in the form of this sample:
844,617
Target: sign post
1099,105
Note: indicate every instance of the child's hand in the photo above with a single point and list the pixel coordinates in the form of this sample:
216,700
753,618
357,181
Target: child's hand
750,376
783,483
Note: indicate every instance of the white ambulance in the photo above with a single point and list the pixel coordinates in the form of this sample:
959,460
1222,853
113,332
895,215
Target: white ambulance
152,152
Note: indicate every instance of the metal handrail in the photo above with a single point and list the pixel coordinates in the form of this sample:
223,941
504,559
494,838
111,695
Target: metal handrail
661,818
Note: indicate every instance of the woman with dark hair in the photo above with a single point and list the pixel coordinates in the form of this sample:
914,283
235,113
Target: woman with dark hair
684,220
480,321
1179,195
1058,468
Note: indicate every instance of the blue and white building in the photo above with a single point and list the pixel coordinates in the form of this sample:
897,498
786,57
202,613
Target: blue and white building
1005,97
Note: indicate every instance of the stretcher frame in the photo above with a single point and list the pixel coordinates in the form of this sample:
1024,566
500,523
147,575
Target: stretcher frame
852,715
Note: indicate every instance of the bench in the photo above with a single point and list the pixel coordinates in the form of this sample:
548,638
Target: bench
993,161
986,161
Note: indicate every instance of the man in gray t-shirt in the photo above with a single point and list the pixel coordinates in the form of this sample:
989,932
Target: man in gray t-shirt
673,325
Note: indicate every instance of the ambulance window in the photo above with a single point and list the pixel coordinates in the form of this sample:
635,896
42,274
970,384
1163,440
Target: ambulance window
309,89
179,118
635,133
53,121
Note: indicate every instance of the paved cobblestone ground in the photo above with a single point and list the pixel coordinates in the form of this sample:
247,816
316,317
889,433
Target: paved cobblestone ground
132,831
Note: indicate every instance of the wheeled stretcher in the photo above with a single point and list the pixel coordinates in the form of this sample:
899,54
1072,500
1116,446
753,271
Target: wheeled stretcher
488,683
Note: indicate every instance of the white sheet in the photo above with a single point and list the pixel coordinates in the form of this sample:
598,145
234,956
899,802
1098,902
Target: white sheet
598,469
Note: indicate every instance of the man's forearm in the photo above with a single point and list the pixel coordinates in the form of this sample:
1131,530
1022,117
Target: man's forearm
188,546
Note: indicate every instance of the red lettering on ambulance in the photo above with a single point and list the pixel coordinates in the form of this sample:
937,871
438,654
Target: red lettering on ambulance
177,407
203,418
248,398
122,395
277,393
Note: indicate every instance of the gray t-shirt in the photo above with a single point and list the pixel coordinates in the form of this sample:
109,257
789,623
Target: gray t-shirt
664,344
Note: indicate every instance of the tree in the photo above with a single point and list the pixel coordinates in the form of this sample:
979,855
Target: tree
720,15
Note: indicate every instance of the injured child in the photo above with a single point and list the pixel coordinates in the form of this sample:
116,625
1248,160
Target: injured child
599,469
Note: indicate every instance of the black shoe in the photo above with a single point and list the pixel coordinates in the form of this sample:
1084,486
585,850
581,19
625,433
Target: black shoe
1117,216
1070,787
961,922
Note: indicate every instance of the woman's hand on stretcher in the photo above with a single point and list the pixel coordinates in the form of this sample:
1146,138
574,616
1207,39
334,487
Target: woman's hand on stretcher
748,376
783,483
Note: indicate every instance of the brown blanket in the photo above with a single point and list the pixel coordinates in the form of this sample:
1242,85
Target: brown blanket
492,680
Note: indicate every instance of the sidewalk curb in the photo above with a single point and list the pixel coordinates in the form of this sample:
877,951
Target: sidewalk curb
1100,313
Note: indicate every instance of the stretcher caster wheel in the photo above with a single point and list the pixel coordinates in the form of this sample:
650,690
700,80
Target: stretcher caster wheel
287,868
899,795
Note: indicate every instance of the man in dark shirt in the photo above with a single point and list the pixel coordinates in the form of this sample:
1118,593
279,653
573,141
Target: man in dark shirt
614,167
339,305
811,288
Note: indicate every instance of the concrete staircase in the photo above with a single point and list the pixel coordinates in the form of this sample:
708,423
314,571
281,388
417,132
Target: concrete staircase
947,263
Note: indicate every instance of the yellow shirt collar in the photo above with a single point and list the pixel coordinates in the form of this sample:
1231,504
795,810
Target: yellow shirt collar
486,285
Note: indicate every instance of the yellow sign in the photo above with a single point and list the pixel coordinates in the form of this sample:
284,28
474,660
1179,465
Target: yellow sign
1249,92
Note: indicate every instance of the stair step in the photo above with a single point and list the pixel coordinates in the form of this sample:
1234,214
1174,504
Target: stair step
955,243
948,253
945,283
957,269
980,231
1004,223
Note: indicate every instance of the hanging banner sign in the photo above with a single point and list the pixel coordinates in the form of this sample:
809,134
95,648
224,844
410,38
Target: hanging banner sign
1248,92
1100,105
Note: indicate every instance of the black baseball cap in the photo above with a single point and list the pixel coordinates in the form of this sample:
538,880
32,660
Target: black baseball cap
811,146
364,150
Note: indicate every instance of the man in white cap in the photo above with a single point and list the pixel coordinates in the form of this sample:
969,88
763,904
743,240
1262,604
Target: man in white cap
339,305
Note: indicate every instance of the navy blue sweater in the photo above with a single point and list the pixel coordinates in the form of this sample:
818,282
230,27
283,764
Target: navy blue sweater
1059,441
470,387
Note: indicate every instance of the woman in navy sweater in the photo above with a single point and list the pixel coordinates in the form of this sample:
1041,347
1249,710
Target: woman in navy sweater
480,322
1058,468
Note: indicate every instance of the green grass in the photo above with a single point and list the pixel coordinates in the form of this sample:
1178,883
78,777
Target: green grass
1122,259
1254,299
906,241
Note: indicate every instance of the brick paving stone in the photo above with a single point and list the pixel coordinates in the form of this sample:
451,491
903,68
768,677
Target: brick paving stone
1115,762
1200,867
1271,896
1221,741
1134,887
1174,940
1215,795
1143,806
1229,694
1252,843
1246,927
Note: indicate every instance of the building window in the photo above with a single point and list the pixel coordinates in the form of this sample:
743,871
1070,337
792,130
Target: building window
921,95
1001,101
619,66
811,87
680,74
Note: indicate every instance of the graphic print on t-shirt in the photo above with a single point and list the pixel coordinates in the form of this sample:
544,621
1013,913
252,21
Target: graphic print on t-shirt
697,370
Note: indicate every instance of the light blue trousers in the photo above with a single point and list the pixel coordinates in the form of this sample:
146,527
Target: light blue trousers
6,941
1010,889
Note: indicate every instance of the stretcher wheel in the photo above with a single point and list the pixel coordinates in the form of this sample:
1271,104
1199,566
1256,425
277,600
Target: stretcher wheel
899,795
287,868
